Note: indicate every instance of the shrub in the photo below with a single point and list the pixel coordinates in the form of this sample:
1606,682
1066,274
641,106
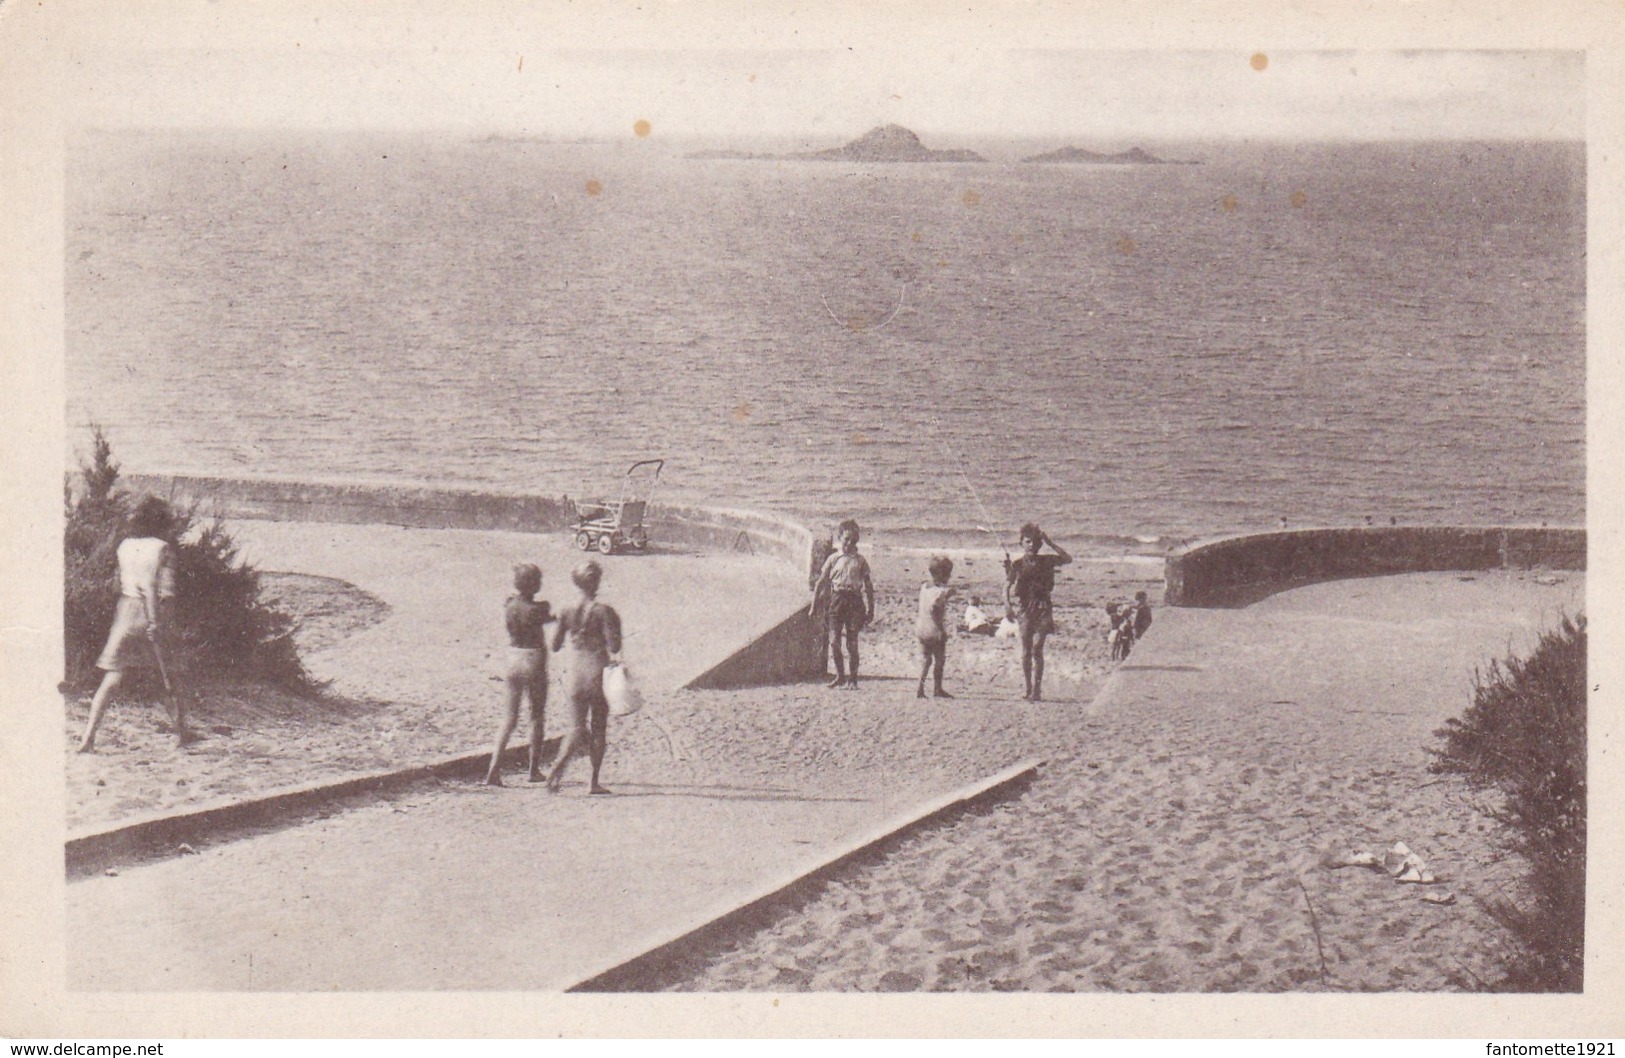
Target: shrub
1524,737
222,629
94,518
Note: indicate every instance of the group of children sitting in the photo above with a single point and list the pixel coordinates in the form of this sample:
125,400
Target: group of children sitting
844,591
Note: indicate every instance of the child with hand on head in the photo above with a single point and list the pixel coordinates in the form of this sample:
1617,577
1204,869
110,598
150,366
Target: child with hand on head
1030,583
845,581
932,626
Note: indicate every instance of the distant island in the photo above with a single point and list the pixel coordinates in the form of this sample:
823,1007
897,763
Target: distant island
1081,156
887,143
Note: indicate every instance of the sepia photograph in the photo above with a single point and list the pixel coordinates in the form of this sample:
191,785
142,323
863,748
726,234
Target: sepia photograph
718,503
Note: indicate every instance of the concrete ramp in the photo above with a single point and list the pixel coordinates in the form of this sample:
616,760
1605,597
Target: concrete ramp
683,611
466,887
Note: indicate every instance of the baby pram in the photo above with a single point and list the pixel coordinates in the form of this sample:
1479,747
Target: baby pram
609,525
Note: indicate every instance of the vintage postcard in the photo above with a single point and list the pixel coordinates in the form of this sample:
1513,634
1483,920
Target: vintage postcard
1085,519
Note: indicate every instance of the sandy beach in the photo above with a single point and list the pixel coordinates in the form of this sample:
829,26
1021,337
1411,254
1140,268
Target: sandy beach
1172,842
1180,843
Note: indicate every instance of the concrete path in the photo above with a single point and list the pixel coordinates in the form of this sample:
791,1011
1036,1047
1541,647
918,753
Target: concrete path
470,887
1368,663
464,887
681,611
424,684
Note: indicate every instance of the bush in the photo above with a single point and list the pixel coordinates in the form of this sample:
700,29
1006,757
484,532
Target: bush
1524,736
221,628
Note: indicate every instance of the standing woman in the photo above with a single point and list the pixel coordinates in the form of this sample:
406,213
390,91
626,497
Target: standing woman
1030,581
526,676
140,633
593,632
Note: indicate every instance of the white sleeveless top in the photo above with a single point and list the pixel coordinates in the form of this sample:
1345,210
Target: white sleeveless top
144,566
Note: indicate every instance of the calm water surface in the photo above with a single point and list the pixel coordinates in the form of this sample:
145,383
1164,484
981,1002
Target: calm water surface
1323,332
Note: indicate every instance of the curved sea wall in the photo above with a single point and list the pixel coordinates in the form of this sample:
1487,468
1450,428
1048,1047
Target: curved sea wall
791,650
428,507
1237,570
725,529
358,503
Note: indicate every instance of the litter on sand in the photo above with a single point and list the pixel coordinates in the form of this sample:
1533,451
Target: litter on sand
1442,899
1352,859
1403,865
1399,863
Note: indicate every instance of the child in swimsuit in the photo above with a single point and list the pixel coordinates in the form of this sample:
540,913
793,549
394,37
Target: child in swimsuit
932,626
593,632
526,673
1031,580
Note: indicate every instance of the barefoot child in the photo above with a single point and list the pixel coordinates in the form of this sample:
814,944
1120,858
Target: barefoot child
932,626
526,675
845,581
593,632
1031,580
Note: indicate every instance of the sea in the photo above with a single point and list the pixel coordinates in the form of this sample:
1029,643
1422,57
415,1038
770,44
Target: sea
1321,333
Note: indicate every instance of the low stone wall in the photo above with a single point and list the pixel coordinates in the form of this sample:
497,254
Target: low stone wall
420,507
790,651
745,532
426,507
1237,570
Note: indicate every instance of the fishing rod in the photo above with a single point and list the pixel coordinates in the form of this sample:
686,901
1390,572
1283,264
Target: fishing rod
936,425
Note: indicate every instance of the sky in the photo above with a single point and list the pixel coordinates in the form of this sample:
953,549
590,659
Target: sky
563,69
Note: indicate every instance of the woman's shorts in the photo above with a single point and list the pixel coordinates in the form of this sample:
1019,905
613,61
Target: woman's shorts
846,612
128,646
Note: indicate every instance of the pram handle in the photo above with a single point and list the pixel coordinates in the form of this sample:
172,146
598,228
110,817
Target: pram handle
656,463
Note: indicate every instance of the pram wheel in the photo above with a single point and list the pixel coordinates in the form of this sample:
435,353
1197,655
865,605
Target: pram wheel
584,541
606,544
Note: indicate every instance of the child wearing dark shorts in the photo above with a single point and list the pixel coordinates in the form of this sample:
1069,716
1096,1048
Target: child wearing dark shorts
845,582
